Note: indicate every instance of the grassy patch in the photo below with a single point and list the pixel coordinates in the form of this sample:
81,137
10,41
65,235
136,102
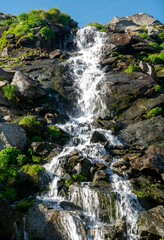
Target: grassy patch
132,68
144,35
154,112
99,26
9,91
158,88
140,194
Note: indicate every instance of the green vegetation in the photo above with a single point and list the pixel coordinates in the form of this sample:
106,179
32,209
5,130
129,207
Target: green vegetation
9,91
140,194
21,160
47,33
156,58
144,35
36,139
54,132
31,125
10,194
32,171
24,205
158,88
75,178
99,26
8,22
161,36
156,46
132,68
36,159
154,112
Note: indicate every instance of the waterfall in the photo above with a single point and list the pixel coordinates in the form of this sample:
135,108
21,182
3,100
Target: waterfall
88,78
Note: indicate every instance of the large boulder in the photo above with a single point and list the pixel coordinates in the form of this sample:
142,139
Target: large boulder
44,222
5,75
145,132
6,220
151,223
27,87
12,135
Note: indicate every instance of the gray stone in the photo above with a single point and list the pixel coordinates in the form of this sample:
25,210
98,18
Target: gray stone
12,135
6,76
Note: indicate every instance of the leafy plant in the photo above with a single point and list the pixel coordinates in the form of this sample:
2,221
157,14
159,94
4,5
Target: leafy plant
78,178
156,46
154,112
32,171
99,26
9,91
158,88
54,132
156,59
36,159
29,121
144,35
21,159
132,68
10,194
36,139
161,36
46,32
64,19
10,154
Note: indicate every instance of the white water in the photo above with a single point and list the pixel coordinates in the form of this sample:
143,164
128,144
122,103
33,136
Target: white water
88,78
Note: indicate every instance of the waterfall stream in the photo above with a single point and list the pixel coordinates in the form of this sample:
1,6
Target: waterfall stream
88,78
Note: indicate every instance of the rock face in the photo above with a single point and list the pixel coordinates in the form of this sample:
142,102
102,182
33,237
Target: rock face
12,135
27,87
6,220
151,223
51,223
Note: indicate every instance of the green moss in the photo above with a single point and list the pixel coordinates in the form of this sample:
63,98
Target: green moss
158,88
31,125
132,68
36,159
156,46
140,194
36,139
32,171
10,194
47,33
144,35
24,205
154,112
54,132
156,59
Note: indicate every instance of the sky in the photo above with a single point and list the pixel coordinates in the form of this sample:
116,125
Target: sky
86,11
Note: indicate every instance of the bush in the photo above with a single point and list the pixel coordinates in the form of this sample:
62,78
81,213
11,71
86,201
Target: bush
157,59
21,159
54,132
132,68
156,46
29,121
8,22
158,88
64,19
9,91
47,33
36,159
10,154
23,17
32,171
99,26
10,194
154,112
36,139
161,36
144,35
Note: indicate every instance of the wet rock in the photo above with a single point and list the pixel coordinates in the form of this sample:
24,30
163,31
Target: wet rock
145,132
55,54
12,135
139,47
44,222
5,75
27,87
98,137
25,42
100,175
100,165
151,223
6,220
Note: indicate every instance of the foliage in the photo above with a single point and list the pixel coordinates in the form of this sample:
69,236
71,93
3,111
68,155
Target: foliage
54,131
10,194
144,35
10,154
99,26
158,88
47,33
32,171
36,159
64,19
21,159
156,46
36,139
23,17
8,22
161,36
162,45
156,59
24,205
154,112
9,91
29,122
140,194
78,178
132,68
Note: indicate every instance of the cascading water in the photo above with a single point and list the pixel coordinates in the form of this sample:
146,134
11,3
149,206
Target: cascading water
88,78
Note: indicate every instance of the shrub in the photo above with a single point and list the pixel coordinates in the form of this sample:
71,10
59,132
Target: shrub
162,45
54,132
10,194
161,36
24,205
46,32
158,88
36,139
8,22
156,46
64,19
9,91
156,59
132,68
10,153
154,112
21,159
99,26
144,35
32,171
29,121
36,159
23,17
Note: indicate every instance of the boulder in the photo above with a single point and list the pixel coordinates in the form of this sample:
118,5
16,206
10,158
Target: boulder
12,135
27,87
45,222
55,54
100,175
3,100
143,19
98,137
119,24
151,223
145,132
145,47
148,68
6,220
5,75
